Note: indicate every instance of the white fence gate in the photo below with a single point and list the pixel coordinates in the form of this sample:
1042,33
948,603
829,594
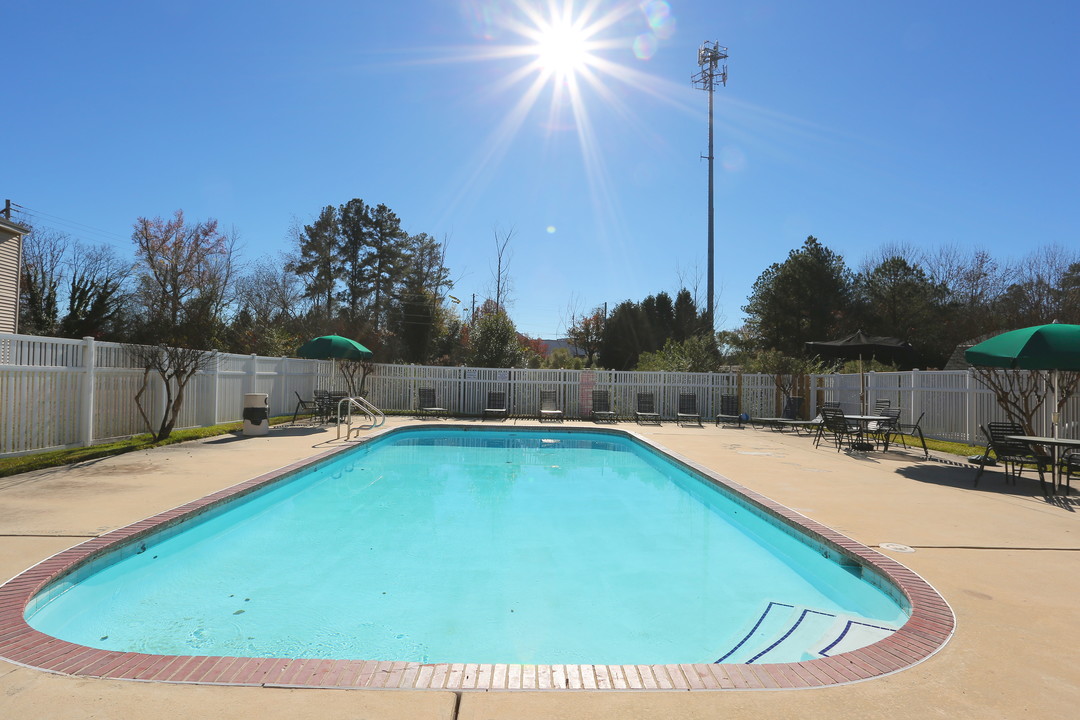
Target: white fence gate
58,393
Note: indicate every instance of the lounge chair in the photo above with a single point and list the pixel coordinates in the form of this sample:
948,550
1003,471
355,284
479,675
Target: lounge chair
729,410
426,403
1011,453
549,407
496,406
646,409
903,429
688,411
601,407
789,417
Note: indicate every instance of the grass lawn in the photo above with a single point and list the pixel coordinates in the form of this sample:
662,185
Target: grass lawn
53,458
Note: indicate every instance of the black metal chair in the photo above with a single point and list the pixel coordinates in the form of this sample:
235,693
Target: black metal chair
646,409
601,407
883,430
496,406
1070,463
308,407
729,410
426,403
1013,454
833,421
903,429
688,411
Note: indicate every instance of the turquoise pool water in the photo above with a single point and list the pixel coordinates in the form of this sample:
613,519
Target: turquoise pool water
474,546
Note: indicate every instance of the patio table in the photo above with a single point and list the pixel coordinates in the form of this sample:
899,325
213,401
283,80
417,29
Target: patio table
1053,443
864,421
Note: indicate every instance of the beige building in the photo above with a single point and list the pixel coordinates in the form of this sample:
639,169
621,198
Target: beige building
11,234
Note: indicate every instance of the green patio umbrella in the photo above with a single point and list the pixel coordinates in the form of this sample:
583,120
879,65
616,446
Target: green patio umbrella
334,347
1052,347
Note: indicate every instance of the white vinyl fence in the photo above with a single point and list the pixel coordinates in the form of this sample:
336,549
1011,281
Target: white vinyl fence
57,393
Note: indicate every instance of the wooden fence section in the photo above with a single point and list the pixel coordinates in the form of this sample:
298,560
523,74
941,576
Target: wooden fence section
57,393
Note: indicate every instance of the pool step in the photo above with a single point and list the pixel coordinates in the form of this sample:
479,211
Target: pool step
785,629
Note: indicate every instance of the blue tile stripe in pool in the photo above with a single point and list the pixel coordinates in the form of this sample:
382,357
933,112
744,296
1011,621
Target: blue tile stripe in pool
928,628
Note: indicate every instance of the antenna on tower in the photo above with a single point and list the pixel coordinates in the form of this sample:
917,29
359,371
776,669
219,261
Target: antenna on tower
709,56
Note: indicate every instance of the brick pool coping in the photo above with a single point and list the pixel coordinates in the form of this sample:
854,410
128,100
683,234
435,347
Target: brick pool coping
926,631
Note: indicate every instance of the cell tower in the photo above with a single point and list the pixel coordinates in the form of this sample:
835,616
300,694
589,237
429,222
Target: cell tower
709,56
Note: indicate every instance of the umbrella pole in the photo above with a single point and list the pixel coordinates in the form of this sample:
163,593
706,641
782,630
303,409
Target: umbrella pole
862,388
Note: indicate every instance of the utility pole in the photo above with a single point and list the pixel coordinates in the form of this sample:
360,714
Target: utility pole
709,57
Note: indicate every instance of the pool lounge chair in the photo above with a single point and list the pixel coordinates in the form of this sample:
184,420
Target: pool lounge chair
789,417
646,409
427,405
688,411
496,406
549,407
601,407
904,429
729,410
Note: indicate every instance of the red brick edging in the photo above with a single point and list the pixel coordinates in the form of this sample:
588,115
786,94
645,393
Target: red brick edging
927,630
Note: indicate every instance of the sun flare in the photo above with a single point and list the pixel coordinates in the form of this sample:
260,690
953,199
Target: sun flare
562,49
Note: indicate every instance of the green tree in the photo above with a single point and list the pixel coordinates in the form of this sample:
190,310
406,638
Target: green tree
806,297
627,334
494,340
414,318
898,299
688,322
316,262
695,354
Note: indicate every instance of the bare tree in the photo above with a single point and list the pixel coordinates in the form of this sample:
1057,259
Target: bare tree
184,271
44,255
500,274
175,367
586,333
97,293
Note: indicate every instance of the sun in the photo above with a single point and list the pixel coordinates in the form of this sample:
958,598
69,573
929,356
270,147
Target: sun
562,48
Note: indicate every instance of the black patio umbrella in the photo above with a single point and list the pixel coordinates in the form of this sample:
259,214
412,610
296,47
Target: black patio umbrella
858,346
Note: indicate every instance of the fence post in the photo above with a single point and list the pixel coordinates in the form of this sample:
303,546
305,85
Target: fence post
217,385
916,395
87,395
283,386
970,409
249,378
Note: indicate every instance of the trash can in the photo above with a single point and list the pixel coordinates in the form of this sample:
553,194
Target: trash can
256,414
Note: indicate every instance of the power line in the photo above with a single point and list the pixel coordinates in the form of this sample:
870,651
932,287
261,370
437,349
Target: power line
40,218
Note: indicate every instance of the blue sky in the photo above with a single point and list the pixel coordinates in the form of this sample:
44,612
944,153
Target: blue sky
861,123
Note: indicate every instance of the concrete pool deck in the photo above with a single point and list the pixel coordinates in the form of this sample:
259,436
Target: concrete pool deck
1006,559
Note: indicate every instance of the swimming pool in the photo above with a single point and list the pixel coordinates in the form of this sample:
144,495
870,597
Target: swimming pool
655,549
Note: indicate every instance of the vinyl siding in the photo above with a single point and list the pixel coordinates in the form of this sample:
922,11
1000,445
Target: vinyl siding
9,279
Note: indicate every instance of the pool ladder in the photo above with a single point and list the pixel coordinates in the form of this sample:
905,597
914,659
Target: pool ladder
373,416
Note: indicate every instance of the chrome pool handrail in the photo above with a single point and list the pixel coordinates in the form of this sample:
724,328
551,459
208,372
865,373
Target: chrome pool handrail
373,414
